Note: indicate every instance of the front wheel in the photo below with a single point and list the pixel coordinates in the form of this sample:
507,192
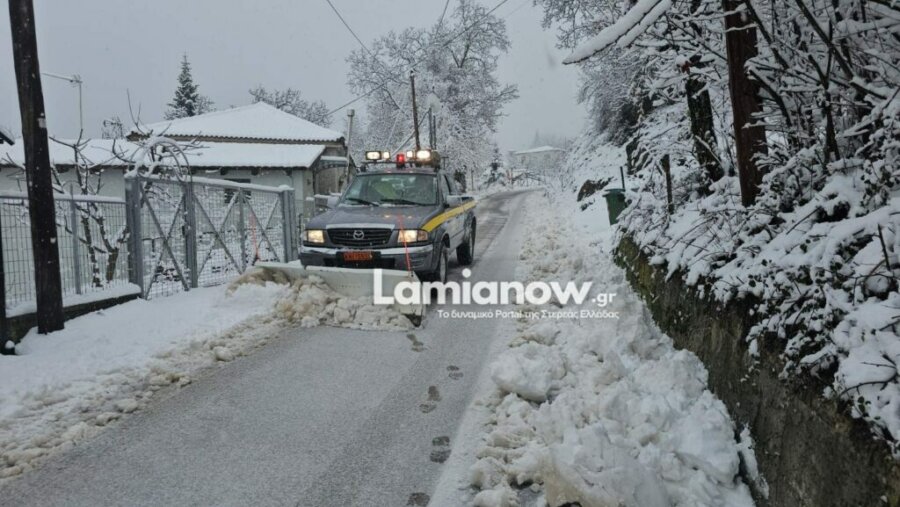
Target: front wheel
440,271
465,253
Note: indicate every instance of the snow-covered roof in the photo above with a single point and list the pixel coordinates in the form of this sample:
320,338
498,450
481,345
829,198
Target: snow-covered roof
95,151
255,155
261,155
258,121
541,149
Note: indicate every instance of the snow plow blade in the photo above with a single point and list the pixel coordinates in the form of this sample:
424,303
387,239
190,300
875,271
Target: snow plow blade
353,282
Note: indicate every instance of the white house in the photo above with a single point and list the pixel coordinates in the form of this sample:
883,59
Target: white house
257,144
544,160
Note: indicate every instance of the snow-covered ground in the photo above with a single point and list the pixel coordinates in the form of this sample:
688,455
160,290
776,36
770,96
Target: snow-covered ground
66,386
599,411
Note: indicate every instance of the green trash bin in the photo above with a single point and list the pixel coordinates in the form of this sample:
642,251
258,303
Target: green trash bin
615,203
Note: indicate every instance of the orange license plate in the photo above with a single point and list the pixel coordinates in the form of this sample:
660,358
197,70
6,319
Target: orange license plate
357,256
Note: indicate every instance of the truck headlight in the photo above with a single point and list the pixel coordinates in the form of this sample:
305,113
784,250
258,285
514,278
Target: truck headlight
412,236
314,236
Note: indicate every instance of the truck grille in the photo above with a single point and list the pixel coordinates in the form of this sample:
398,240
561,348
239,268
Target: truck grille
351,237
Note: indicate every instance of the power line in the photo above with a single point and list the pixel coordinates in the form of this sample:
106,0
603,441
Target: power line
473,25
415,62
517,9
443,13
347,25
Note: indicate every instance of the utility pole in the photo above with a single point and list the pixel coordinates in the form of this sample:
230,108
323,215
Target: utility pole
350,114
41,208
412,84
431,133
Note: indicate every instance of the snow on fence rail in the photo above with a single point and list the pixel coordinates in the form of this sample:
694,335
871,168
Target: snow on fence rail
92,235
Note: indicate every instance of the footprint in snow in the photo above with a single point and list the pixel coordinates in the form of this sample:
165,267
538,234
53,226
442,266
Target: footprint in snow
417,346
418,499
455,374
434,396
441,450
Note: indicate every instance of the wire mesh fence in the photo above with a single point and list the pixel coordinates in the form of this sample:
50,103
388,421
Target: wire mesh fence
92,241
198,232
167,236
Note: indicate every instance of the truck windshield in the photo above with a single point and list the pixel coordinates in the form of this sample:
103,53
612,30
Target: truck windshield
392,190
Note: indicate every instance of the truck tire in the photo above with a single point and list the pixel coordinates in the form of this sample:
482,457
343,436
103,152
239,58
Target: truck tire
440,271
465,253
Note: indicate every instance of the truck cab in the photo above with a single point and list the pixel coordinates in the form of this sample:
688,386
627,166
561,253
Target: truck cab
403,218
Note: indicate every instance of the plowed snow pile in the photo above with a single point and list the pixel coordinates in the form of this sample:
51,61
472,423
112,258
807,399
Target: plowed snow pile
602,412
66,386
310,302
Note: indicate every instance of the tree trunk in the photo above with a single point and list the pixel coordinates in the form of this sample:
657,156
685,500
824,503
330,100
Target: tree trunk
700,109
740,45
701,115
41,209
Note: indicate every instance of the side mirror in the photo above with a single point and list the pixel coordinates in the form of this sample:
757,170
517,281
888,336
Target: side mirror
332,201
454,201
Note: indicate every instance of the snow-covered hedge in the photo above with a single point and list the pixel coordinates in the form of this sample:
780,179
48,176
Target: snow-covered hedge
817,246
824,271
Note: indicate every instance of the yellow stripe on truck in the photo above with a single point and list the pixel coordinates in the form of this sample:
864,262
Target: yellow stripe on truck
443,217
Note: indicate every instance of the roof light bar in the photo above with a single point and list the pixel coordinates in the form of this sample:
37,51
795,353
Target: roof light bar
377,156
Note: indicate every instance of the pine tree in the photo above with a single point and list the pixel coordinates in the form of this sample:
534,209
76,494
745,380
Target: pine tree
187,101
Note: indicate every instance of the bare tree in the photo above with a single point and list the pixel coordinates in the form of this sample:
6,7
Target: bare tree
291,101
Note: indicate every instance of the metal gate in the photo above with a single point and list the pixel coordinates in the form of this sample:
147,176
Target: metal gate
189,232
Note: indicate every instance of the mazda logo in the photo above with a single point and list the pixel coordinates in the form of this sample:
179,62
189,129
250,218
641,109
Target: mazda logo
357,234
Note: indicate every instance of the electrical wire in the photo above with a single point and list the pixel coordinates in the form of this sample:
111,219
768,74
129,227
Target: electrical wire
443,13
347,25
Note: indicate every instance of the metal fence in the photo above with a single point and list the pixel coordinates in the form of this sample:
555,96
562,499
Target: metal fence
167,236
92,236
198,232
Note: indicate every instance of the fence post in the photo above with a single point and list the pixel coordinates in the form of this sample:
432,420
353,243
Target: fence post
287,225
76,258
190,234
670,206
4,331
135,235
242,229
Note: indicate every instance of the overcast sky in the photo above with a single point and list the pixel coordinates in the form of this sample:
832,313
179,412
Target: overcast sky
234,45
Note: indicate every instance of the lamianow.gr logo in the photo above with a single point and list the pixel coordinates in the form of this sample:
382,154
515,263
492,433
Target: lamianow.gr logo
487,292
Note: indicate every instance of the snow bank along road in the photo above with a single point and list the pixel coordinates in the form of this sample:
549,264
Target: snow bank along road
322,416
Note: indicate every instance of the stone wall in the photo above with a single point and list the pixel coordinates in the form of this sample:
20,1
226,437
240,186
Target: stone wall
810,451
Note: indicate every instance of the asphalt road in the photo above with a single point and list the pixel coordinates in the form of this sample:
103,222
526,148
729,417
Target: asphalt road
319,417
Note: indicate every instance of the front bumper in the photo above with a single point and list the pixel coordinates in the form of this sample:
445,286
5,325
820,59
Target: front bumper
421,257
